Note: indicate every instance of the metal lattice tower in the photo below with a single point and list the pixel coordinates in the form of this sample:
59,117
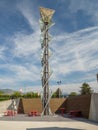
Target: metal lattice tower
45,24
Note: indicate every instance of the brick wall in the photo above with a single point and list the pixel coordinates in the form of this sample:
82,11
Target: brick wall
81,103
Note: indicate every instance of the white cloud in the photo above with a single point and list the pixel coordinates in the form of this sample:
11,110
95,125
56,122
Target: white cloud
89,7
2,52
75,52
28,13
7,82
26,74
26,44
71,51
22,72
26,47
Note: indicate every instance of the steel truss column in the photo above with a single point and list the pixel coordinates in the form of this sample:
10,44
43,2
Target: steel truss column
45,24
46,72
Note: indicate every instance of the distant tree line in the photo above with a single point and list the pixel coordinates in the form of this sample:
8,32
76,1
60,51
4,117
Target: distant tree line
18,94
84,89
57,93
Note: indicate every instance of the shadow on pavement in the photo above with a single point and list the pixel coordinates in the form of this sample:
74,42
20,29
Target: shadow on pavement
85,121
81,119
53,128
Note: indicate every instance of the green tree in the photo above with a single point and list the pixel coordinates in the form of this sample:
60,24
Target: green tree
4,96
73,94
1,92
57,93
16,94
30,94
85,89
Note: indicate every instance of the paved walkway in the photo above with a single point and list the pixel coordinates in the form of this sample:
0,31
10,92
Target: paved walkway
22,122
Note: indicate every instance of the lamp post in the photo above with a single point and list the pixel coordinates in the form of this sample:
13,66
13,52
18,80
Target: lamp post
45,24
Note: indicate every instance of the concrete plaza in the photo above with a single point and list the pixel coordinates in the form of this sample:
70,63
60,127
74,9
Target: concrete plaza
56,122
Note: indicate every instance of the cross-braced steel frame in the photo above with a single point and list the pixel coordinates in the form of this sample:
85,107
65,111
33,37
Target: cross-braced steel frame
45,24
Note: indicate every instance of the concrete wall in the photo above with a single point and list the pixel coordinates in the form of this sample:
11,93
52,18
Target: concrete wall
4,105
81,103
93,114
27,105
56,104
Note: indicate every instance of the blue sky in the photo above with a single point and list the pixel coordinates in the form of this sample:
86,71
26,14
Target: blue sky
74,45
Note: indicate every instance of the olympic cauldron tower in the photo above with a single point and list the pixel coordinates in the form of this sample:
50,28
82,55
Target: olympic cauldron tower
45,24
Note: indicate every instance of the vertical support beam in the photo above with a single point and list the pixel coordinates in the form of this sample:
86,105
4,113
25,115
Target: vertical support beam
46,72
